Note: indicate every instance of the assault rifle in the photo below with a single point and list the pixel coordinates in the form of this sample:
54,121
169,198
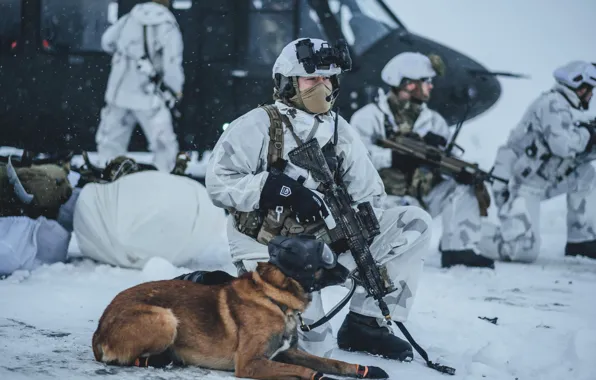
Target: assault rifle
590,124
442,161
353,230
429,155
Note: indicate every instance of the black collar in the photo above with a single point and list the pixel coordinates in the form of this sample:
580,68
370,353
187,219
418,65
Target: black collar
282,307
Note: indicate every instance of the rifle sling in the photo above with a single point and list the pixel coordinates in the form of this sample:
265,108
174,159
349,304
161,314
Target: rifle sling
436,366
327,317
158,79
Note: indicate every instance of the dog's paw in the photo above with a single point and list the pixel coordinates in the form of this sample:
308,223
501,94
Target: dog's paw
371,372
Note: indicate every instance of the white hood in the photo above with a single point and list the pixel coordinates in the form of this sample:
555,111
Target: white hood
152,14
569,94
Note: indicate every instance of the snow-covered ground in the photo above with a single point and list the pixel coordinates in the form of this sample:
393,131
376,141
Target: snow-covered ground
545,327
546,311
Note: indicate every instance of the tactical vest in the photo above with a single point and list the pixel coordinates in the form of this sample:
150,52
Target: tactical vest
411,180
264,225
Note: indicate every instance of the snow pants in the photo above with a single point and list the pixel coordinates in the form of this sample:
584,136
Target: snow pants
401,248
460,214
517,238
116,127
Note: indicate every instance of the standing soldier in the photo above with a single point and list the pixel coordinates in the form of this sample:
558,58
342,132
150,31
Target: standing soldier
250,175
547,154
403,112
146,79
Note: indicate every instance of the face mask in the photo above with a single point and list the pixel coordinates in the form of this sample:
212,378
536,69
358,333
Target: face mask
314,99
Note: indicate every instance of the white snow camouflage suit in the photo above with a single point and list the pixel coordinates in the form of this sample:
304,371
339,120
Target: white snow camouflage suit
457,203
235,177
544,156
129,96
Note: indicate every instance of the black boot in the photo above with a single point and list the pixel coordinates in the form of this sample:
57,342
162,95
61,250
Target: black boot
585,248
362,333
465,257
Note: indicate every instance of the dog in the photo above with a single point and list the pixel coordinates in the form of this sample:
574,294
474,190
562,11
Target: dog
247,324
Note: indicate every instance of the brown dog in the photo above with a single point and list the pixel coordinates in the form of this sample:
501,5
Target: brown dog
247,325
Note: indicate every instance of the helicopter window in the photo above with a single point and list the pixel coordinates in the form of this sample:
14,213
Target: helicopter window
10,23
310,25
71,26
270,28
362,22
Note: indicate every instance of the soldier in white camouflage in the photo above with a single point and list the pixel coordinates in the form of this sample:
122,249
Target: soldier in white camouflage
548,154
403,111
250,175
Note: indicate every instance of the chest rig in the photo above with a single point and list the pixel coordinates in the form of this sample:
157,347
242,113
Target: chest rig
264,225
407,178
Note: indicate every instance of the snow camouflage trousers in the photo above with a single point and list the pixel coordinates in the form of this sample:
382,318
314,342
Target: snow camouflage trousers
117,125
401,247
517,237
460,214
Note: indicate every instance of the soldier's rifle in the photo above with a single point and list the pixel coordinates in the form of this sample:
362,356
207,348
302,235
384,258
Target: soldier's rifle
431,156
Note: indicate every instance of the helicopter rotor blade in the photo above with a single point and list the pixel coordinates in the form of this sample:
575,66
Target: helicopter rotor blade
498,73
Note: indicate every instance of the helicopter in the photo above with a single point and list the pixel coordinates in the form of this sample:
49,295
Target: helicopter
54,72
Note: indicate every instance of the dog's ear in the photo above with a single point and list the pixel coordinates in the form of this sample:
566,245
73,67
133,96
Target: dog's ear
272,274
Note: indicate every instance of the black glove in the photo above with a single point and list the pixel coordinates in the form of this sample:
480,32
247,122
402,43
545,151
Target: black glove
435,140
465,178
404,163
281,190
412,135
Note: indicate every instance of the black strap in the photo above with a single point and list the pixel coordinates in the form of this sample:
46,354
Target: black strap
436,366
389,132
304,327
290,127
146,44
158,78
564,95
335,135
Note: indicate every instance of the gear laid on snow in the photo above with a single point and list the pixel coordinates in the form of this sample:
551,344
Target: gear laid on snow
36,190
